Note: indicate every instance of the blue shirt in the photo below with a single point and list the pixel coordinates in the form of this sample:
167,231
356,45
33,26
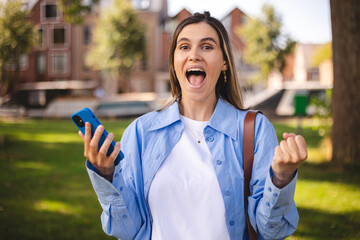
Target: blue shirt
148,141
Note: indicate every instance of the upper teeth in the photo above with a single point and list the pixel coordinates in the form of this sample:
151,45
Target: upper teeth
195,69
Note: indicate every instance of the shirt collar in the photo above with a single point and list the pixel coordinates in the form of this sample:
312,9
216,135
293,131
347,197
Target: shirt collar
218,120
166,117
224,119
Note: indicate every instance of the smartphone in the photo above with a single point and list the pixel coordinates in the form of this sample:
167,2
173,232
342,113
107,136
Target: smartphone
86,115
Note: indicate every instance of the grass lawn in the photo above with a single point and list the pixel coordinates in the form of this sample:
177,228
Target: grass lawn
45,192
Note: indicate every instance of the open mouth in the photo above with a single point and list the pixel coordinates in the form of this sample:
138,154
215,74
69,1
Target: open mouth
195,76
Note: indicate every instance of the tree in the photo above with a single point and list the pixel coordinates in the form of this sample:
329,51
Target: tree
74,9
119,40
266,46
16,38
345,19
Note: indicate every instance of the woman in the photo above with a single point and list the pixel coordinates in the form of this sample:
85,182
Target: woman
182,176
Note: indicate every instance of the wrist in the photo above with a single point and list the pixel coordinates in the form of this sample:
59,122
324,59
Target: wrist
108,177
281,180
106,173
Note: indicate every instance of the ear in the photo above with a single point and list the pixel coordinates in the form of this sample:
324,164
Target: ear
225,66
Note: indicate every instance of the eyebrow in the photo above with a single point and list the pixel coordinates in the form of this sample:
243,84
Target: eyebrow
202,40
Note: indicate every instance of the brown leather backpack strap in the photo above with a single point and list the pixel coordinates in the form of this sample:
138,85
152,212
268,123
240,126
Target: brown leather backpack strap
248,157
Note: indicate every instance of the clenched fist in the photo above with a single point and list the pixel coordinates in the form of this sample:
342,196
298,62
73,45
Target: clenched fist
289,155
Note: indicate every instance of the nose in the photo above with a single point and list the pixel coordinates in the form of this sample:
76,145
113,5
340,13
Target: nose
194,55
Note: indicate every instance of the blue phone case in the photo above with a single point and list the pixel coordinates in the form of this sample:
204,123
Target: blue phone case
86,115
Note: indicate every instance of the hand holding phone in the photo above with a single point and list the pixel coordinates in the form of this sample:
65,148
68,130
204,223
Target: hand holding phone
93,135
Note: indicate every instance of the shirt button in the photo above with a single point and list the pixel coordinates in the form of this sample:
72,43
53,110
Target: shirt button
269,188
276,208
218,162
268,204
124,216
116,175
227,193
121,188
116,194
231,223
275,195
207,131
210,139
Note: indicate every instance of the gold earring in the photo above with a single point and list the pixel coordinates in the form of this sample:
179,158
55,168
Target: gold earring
224,72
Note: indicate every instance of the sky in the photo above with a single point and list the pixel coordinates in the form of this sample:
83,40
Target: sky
306,21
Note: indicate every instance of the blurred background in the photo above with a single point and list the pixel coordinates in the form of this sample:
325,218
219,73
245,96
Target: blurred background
298,61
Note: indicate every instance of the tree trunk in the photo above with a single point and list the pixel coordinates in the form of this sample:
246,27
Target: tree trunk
345,19
124,80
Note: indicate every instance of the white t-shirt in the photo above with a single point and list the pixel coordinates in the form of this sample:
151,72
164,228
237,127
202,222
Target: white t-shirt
185,198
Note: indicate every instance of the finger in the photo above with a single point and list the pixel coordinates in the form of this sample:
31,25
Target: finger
287,135
278,153
94,143
87,139
115,152
294,150
301,144
277,156
285,151
81,135
105,146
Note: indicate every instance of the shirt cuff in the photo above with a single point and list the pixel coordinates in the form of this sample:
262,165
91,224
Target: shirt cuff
279,201
104,189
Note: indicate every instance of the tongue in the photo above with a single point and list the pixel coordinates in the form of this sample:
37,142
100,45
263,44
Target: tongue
196,80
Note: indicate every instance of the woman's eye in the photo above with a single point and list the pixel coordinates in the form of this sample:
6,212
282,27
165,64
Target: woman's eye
184,47
207,47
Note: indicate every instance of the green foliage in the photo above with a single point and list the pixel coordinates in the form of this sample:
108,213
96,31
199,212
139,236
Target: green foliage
266,46
322,54
119,39
74,9
16,38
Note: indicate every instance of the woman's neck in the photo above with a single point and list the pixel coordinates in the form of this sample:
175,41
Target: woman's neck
195,110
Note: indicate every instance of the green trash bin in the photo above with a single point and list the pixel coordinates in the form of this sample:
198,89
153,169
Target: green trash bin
300,104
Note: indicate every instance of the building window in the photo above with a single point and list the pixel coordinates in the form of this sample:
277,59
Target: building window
59,63
244,20
141,4
87,35
143,64
23,62
313,74
25,6
50,11
59,35
41,63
